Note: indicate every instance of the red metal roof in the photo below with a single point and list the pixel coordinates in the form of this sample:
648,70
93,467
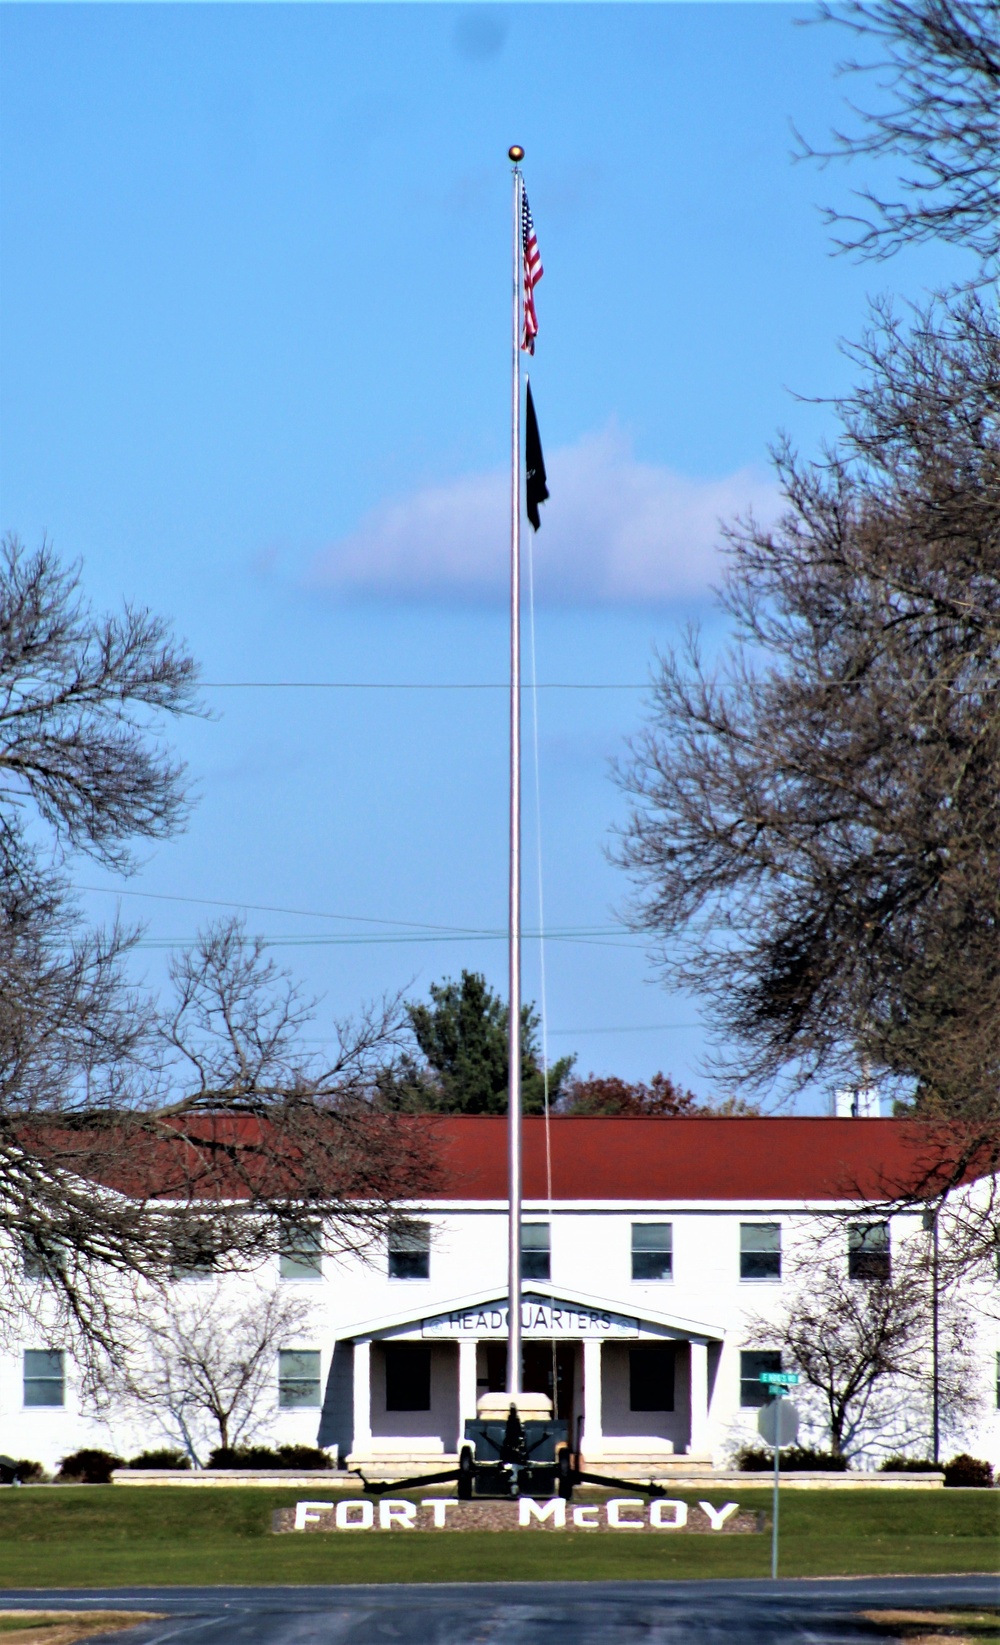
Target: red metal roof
690,1159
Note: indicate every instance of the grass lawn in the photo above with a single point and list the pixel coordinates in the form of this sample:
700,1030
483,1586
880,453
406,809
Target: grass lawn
101,1536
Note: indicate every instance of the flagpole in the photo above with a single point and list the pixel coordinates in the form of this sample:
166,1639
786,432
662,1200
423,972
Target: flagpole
516,154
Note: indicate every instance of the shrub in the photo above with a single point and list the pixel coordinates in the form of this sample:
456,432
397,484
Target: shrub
88,1467
966,1470
263,1456
21,1473
908,1465
796,1459
161,1459
29,1473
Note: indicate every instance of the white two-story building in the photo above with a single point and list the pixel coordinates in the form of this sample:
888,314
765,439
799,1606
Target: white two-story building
660,1238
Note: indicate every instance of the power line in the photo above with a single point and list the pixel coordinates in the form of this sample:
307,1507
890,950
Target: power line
358,939
273,908
452,931
715,686
629,1028
417,685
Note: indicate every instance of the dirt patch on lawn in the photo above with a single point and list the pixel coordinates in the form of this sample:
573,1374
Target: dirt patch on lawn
925,1627
51,1627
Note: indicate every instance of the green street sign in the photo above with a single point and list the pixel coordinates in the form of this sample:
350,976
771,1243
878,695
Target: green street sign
784,1379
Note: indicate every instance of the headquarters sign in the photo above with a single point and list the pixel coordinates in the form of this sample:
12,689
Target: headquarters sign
540,1317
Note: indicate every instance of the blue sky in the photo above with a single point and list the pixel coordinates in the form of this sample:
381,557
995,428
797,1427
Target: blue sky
254,373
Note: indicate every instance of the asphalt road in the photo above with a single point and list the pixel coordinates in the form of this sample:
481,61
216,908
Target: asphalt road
530,1613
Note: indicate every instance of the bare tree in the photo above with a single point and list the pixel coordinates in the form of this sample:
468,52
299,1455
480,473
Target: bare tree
268,1127
82,701
83,768
122,1127
814,834
862,1346
204,1369
937,72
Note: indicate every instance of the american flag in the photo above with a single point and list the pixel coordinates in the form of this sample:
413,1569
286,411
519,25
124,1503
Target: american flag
533,272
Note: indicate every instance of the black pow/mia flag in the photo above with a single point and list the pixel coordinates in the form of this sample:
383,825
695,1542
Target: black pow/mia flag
536,490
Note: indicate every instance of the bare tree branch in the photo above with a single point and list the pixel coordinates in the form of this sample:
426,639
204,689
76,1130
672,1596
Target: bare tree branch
937,74
814,834
204,1369
862,1347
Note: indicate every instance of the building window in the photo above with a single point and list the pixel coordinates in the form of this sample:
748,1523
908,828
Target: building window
193,1269
298,1378
651,1377
44,1377
41,1258
536,1262
760,1250
301,1252
193,1257
868,1254
752,1362
407,1377
652,1250
410,1251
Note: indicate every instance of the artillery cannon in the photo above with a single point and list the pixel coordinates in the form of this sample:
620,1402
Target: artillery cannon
514,1447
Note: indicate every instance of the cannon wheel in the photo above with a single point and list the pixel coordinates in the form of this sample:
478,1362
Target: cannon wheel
465,1475
565,1472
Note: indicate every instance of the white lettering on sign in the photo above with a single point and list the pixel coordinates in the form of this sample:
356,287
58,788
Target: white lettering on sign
621,1513
306,1512
539,1317
555,1509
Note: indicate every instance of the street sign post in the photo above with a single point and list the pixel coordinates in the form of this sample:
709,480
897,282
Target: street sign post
778,1425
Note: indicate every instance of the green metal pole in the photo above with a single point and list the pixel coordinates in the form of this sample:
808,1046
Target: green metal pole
777,1461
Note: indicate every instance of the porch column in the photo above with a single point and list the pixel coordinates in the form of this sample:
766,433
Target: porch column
362,1398
466,1384
698,1381
592,1438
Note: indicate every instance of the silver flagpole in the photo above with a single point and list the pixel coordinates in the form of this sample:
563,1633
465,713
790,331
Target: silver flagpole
516,154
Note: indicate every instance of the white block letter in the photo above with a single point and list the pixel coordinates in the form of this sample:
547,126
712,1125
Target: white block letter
554,1509
717,1516
365,1510
396,1511
615,1507
585,1517
439,1506
678,1514
306,1512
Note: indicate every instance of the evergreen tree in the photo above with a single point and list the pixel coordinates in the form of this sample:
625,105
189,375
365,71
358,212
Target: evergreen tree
459,1064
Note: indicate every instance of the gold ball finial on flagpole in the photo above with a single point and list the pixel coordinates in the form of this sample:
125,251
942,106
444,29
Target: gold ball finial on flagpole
515,153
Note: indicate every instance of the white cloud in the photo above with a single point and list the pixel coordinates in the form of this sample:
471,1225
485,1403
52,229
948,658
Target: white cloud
615,532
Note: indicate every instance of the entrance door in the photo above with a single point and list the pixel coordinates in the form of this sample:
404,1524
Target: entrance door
538,1362
548,1369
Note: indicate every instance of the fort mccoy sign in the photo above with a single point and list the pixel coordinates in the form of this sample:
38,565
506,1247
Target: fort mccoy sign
525,1514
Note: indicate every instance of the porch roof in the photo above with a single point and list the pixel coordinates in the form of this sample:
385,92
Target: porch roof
702,1330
